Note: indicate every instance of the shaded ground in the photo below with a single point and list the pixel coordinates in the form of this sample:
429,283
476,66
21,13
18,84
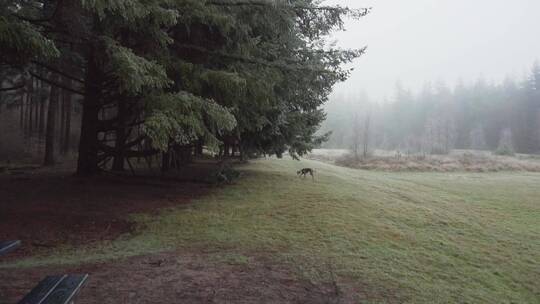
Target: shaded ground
178,277
49,209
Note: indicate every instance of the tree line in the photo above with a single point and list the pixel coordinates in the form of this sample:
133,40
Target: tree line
39,126
170,77
503,117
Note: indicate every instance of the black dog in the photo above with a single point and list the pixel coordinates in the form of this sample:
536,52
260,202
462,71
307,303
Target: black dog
304,172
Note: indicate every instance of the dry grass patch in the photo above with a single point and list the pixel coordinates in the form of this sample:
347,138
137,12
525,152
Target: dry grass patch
459,161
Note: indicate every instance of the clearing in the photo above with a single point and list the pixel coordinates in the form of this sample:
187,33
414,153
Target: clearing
351,236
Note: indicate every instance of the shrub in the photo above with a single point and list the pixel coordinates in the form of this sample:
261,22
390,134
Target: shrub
505,151
505,144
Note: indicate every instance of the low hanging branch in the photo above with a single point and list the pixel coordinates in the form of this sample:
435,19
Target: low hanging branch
56,84
108,151
44,19
19,86
57,71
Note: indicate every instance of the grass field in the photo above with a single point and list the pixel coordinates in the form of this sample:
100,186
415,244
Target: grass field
415,237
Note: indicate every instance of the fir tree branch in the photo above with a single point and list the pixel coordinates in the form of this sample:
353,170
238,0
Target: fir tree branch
56,84
289,66
355,12
20,86
57,71
40,20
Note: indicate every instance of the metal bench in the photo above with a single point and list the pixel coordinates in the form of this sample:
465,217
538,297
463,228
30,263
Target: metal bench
56,290
8,246
60,289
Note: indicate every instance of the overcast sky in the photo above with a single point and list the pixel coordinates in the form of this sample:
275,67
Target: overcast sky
414,41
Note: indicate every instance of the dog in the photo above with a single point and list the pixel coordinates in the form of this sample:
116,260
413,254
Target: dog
304,172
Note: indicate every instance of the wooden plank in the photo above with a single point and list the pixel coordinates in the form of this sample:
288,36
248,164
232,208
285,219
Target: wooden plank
42,290
8,246
66,291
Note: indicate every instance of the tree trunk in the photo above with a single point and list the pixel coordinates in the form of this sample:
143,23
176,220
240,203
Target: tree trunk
21,114
199,147
87,164
40,120
37,102
27,113
241,150
36,114
31,116
42,107
165,161
51,125
62,111
366,135
121,137
221,151
226,150
67,126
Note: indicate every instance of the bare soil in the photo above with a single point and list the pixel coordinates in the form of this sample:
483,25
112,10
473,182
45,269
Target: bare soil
45,210
179,277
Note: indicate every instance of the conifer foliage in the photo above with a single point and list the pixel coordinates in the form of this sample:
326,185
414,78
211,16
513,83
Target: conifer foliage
159,77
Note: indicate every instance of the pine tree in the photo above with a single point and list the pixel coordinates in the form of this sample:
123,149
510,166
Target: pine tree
184,72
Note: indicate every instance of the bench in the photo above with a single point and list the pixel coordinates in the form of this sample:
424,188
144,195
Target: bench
8,246
60,289
56,290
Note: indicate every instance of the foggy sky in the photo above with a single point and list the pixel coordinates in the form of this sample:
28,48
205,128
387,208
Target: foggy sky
414,41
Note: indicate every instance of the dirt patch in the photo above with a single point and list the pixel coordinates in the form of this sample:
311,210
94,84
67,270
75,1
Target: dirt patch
47,210
184,278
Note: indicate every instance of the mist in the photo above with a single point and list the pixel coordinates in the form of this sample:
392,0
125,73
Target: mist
439,77
417,41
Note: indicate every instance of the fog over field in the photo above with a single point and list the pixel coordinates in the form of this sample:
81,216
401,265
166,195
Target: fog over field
439,76
446,40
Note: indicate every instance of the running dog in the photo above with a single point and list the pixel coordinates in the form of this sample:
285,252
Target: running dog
304,172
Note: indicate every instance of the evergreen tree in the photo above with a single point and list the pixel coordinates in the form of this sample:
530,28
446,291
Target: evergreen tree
531,122
164,76
438,119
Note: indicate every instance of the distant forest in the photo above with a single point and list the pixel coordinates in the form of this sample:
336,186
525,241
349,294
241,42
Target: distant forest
504,118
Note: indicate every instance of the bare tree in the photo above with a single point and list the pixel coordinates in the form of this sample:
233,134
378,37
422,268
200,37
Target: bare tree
439,134
356,136
365,137
478,139
506,143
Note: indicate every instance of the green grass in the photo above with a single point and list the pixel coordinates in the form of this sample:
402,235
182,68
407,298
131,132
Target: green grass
424,237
